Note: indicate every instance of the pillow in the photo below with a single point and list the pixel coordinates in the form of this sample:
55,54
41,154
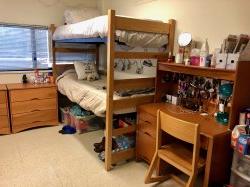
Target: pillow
86,71
75,15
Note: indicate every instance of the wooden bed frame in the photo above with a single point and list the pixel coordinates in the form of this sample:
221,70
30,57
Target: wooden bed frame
129,24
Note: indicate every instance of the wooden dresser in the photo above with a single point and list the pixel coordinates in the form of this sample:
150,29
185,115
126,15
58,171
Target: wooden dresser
32,105
4,111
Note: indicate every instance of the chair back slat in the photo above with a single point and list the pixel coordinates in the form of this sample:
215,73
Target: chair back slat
183,130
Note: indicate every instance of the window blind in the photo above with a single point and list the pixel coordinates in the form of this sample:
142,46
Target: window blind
23,47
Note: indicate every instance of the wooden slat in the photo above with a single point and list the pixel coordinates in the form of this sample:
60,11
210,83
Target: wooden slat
134,83
125,130
172,23
131,24
132,102
199,71
74,50
140,55
123,155
110,89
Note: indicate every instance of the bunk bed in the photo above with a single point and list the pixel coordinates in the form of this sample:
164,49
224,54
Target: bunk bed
109,36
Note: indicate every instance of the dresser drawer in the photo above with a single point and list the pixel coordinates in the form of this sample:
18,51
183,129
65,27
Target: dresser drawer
32,94
34,117
3,110
4,125
146,117
145,146
33,105
148,128
3,98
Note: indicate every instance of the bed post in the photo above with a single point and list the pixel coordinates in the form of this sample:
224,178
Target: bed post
97,57
110,89
52,29
172,23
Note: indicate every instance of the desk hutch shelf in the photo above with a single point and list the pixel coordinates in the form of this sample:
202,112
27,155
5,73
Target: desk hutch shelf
240,78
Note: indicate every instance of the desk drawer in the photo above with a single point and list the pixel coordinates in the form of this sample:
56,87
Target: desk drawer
33,105
3,98
146,117
32,94
3,110
34,117
145,146
148,128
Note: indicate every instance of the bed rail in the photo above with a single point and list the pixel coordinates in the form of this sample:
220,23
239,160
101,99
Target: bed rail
127,84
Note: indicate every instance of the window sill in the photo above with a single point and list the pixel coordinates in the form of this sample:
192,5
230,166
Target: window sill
23,72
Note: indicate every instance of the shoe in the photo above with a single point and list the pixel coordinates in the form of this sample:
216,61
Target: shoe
68,130
100,143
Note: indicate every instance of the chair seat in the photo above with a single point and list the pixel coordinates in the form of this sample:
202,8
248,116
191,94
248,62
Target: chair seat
179,156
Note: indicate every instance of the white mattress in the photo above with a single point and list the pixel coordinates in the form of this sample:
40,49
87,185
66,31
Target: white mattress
91,95
98,27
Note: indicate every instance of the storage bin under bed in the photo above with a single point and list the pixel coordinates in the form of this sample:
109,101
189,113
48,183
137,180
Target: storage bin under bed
81,123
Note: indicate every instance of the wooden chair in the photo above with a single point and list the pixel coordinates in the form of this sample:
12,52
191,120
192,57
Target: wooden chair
177,154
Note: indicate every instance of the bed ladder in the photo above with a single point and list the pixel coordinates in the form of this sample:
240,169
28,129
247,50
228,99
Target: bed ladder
130,24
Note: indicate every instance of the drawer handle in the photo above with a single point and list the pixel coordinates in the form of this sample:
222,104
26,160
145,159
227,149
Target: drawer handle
34,99
37,110
147,123
147,134
36,121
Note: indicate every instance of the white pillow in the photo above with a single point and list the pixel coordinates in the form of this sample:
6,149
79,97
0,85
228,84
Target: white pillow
75,15
86,71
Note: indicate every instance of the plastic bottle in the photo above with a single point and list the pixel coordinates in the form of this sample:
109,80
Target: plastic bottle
204,53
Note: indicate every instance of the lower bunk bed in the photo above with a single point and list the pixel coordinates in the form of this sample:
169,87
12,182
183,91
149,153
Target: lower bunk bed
91,96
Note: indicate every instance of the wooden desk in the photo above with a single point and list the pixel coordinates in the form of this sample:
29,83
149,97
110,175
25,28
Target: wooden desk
215,139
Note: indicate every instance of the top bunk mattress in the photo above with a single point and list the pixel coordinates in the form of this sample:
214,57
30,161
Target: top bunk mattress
98,28
91,95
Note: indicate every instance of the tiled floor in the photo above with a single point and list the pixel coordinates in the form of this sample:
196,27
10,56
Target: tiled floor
43,157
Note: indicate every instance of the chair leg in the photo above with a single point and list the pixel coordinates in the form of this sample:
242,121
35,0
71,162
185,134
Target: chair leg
153,164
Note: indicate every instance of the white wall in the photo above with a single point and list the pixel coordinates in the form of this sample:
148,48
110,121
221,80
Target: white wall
39,12
212,19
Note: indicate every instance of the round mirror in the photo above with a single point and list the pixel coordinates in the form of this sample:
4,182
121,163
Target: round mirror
184,39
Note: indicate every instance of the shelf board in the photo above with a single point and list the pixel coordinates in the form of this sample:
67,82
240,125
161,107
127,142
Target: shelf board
125,130
222,74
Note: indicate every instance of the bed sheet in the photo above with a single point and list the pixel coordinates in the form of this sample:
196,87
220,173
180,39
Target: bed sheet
92,95
98,27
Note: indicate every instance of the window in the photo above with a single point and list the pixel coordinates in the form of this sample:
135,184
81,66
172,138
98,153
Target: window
23,47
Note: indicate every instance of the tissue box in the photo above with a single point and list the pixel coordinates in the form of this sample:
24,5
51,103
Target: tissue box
232,61
221,60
